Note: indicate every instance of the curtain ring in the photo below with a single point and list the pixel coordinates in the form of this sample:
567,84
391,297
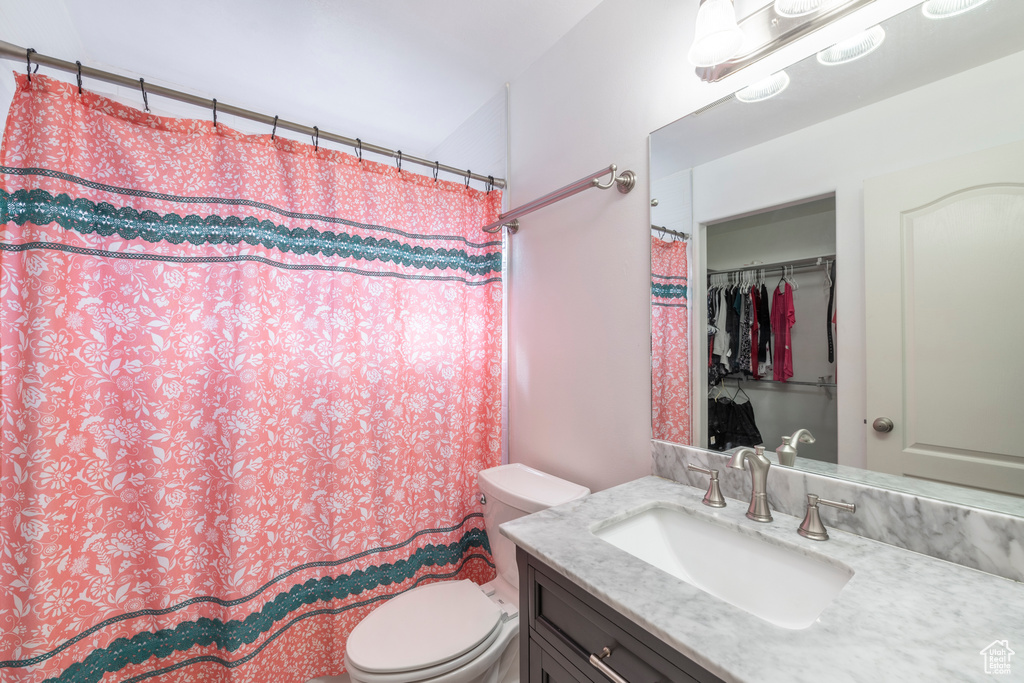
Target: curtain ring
490,183
80,78
437,167
469,176
214,112
398,160
28,63
316,139
145,98
359,149
274,132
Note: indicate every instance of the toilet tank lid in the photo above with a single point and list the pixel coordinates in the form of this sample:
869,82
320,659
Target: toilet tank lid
528,489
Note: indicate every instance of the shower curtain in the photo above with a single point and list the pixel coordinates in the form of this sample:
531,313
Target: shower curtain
246,387
670,342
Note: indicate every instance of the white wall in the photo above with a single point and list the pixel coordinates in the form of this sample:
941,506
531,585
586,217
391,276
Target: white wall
969,111
580,320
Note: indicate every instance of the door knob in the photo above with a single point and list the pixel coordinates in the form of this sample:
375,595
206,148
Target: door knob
882,424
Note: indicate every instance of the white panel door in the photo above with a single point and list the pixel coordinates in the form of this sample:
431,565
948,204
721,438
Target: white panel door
944,259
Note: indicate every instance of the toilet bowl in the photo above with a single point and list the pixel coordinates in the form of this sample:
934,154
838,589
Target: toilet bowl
457,631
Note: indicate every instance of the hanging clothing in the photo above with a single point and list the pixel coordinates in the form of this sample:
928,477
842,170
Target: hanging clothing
764,324
830,319
783,319
754,331
731,424
670,341
248,386
743,359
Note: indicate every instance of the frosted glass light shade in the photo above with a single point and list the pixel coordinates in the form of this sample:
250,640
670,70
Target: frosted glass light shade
763,90
940,9
858,46
718,37
796,8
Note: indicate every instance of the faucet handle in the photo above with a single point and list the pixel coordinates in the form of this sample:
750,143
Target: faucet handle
713,498
812,527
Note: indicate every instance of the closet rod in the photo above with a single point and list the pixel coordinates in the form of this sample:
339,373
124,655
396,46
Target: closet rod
15,52
625,181
813,262
775,381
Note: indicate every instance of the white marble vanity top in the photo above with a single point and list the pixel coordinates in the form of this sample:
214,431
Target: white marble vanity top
902,617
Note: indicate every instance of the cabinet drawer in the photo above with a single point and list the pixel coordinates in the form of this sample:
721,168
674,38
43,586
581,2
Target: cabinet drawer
578,625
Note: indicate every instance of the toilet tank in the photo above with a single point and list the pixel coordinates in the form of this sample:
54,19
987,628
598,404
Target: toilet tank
512,491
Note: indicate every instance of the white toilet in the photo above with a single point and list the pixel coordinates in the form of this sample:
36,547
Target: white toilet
457,631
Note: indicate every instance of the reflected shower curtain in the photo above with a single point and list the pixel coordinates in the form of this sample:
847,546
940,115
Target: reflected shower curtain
246,388
670,342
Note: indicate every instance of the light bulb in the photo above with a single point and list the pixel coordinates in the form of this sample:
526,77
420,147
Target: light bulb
941,9
796,8
858,46
718,37
763,90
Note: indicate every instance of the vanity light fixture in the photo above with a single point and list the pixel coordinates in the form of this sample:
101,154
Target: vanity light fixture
764,89
941,9
797,8
723,47
848,50
718,37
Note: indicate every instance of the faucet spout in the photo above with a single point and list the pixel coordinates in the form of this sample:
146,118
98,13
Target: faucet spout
787,451
758,464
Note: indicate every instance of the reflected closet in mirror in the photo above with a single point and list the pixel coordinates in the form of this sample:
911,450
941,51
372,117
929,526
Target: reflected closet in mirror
771,329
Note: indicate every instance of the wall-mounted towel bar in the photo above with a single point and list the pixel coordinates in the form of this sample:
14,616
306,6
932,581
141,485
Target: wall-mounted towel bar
625,181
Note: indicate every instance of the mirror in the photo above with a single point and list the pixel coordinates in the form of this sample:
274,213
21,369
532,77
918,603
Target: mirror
902,142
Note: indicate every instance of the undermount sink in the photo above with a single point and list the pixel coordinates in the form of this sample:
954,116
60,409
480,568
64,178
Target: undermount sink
780,585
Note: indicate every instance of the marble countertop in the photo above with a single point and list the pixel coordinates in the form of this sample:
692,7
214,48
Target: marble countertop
902,616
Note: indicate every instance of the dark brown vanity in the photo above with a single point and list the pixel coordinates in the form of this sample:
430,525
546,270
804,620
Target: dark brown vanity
565,631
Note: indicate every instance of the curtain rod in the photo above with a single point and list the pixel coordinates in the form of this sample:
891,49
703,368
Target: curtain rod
625,181
670,231
12,51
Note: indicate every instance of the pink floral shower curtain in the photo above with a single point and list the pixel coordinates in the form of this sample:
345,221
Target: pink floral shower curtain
246,387
670,341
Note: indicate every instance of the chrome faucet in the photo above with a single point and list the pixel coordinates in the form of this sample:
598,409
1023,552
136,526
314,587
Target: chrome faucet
758,465
787,451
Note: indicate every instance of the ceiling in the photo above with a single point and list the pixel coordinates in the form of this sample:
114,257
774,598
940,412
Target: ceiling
399,73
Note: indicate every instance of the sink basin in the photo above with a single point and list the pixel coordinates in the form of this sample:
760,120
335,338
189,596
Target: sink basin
778,584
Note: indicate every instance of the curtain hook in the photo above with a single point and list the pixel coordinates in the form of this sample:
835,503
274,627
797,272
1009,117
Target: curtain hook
398,158
316,139
145,98
437,167
214,112
359,149
490,183
28,63
469,176
274,131
79,78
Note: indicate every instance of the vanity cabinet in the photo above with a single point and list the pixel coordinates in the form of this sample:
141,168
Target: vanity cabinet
561,626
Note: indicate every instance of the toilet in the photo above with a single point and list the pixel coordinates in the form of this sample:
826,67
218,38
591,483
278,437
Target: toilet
458,631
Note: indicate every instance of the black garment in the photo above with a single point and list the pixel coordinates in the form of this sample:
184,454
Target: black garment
732,326
764,327
828,322
717,418
731,424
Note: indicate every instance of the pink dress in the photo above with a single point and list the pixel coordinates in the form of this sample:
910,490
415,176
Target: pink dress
783,319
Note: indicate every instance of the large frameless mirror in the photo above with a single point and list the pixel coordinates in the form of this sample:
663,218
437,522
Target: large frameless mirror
876,205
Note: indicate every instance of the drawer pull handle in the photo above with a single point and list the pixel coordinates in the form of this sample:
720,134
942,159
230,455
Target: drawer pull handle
595,661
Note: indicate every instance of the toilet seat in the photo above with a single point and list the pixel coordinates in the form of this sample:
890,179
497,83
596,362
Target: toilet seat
436,627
